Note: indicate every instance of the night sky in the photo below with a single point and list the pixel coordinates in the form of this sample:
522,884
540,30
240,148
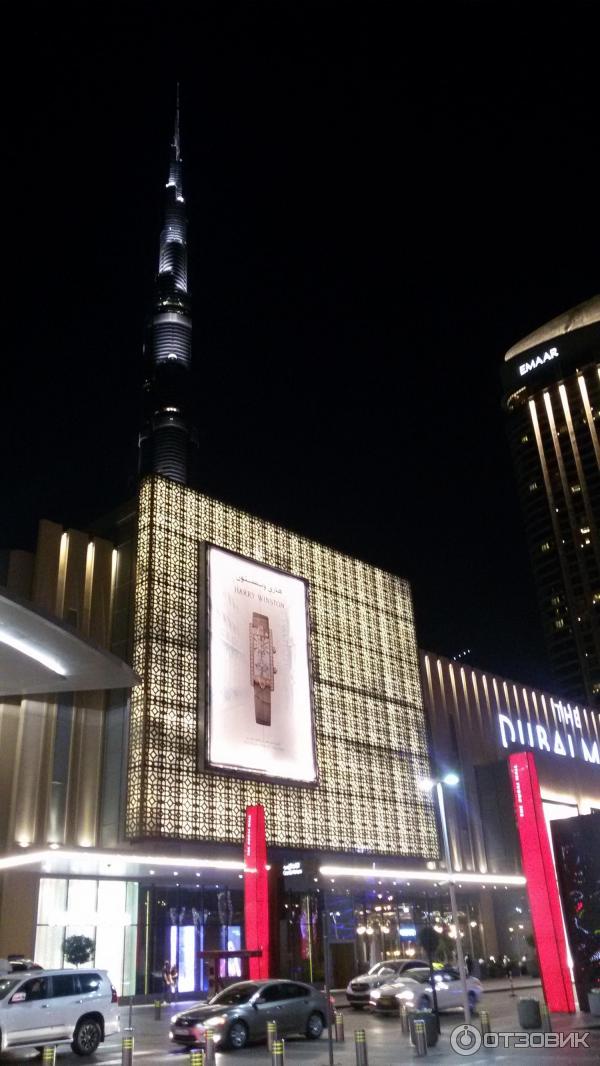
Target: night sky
383,198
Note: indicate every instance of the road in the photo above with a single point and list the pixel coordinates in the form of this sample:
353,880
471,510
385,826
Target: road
387,1046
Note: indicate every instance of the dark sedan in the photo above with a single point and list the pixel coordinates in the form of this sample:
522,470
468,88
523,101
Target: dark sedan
240,1013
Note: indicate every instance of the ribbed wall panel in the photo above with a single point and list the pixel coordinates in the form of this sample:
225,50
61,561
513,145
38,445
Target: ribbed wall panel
173,260
172,336
175,227
170,452
175,176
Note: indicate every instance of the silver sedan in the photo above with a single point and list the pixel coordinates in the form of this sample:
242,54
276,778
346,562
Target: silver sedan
240,1013
414,989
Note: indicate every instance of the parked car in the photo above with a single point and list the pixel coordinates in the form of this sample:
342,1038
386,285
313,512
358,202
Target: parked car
414,989
239,1014
18,964
76,1007
359,988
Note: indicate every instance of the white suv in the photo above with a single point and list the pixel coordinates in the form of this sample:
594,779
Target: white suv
76,1007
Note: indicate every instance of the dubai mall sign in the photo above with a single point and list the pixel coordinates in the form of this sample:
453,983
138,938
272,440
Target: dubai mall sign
564,738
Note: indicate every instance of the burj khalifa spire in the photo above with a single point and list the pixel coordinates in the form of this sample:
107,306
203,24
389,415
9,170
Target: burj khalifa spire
168,442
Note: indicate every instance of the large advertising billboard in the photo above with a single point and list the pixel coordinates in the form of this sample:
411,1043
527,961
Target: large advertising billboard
259,707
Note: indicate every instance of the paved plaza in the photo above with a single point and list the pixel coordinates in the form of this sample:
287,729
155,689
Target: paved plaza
386,1044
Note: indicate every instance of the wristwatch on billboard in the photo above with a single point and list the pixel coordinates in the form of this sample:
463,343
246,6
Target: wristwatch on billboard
262,671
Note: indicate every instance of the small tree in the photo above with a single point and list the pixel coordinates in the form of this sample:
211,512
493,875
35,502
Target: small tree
78,949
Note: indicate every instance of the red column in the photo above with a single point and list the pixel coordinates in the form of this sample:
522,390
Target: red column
542,889
256,891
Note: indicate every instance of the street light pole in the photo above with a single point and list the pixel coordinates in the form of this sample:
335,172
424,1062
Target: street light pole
459,951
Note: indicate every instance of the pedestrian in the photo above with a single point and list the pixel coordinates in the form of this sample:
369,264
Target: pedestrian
174,978
167,980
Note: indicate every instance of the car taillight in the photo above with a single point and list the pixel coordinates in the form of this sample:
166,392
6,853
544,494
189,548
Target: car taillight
113,994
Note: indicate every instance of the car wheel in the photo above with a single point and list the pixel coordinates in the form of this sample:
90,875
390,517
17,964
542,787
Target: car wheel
238,1035
314,1026
473,1002
87,1037
423,1003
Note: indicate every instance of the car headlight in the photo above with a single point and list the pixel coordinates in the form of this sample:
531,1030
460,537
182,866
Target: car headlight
407,994
375,994
211,1023
174,1018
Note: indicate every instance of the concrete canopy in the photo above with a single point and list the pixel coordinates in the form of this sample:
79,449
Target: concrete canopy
40,654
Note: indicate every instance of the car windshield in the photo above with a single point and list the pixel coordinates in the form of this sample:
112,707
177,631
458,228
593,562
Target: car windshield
236,994
380,967
6,986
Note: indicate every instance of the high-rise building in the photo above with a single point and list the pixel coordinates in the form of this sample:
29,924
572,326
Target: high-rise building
552,400
167,439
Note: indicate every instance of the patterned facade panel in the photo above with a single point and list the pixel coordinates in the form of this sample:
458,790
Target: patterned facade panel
369,720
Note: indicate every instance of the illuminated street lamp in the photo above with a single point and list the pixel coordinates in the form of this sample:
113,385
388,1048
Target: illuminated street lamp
427,785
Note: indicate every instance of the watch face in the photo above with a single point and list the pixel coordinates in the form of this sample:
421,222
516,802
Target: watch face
261,655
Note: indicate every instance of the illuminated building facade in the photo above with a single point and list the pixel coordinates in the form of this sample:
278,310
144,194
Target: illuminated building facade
525,759
552,400
276,674
168,442
368,720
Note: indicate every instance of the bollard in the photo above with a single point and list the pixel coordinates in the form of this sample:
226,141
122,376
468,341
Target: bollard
157,1010
546,1019
404,1018
420,1037
127,1051
49,1055
209,1054
484,1021
196,1057
277,1053
360,1045
271,1034
339,1027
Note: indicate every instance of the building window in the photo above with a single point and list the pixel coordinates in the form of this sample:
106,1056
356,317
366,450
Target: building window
545,547
104,910
533,486
559,623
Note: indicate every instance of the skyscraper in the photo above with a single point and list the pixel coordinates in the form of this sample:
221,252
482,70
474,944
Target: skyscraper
167,439
552,400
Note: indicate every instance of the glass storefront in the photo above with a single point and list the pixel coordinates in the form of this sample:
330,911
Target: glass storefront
105,911
179,924
372,924
135,928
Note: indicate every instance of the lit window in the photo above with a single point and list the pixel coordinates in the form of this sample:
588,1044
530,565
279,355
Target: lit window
575,489
524,438
596,597
559,623
584,529
545,547
533,486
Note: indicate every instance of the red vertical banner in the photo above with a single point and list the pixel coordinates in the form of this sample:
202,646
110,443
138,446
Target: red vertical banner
256,891
542,889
